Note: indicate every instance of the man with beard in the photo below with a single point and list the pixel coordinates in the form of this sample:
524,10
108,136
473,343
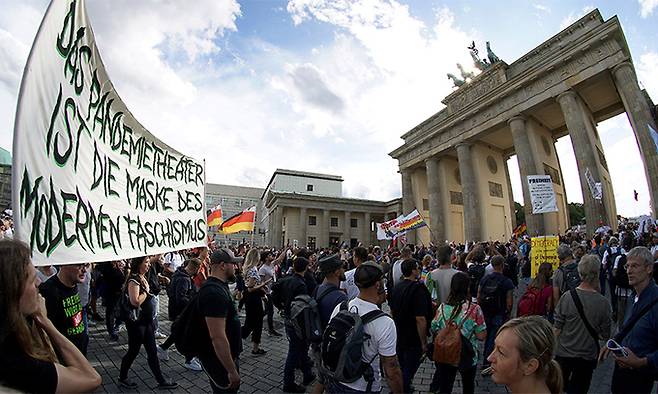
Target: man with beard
219,357
63,303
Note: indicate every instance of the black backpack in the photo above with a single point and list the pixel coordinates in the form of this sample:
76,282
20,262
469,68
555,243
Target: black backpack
277,294
620,274
341,350
570,277
187,329
490,296
305,317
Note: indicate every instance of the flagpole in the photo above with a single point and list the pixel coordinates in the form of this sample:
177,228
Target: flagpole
253,228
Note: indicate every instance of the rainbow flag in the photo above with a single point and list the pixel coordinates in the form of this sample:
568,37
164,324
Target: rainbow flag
243,221
215,216
520,229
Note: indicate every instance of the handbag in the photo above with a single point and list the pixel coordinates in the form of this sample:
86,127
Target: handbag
127,311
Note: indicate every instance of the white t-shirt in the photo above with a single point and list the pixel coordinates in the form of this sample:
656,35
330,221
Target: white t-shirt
489,269
397,272
382,342
654,249
266,272
349,285
173,259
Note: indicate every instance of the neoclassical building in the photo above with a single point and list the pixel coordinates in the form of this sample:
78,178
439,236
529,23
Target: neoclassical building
308,209
455,161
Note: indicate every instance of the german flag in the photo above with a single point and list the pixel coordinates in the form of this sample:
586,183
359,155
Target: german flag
243,221
215,216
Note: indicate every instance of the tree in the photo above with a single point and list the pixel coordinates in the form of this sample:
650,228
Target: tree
519,212
576,213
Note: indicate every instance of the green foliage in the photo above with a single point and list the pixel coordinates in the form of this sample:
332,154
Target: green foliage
576,213
519,213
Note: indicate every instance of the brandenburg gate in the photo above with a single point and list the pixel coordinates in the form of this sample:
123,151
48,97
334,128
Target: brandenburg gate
453,165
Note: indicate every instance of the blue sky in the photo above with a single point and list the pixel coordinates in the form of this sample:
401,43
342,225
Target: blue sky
319,85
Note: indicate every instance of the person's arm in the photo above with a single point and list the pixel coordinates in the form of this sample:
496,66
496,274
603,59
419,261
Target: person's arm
133,292
217,331
510,301
421,328
75,374
479,295
393,373
180,292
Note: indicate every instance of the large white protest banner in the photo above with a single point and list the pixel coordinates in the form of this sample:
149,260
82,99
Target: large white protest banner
89,182
542,195
400,225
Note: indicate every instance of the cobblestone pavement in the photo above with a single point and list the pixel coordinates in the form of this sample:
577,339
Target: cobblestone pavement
258,373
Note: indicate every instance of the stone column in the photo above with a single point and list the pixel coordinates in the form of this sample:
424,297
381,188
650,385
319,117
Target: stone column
324,229
347,228
470,193
435,199
277,227
367,239
637,110
585,156
408,201
303,222
527,166
512,207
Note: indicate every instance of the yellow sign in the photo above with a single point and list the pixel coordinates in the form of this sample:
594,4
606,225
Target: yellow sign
544,250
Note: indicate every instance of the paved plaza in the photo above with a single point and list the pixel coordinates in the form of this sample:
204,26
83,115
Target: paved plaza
258,373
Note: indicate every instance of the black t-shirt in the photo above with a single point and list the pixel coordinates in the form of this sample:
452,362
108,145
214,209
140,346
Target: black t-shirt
22,372
215,301
408,300
65,311
147,306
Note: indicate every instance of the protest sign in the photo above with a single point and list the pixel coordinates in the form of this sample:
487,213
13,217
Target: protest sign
542,195
400,225
89,182
544,250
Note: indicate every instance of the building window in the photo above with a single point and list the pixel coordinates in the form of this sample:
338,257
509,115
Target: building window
354,223
311,242
456,198
312,220
495,189
426,204
334,222
284,220
309,188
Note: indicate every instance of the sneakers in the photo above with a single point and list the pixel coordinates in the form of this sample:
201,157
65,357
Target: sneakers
159,335
167,385
275,333
163,354
128,384
295,388
194,365
258,352
114,337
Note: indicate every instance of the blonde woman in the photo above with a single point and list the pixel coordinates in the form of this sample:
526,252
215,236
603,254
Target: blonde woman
253,301
523,357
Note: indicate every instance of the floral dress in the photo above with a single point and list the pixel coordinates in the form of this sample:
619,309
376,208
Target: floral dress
470,314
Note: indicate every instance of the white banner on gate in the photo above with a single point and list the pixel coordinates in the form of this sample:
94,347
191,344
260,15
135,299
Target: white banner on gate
542,195
89,182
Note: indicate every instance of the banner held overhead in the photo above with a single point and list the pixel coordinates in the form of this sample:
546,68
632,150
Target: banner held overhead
90,183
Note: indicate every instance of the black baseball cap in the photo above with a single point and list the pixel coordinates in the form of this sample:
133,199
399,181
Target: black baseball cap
367,274
224,255
330,263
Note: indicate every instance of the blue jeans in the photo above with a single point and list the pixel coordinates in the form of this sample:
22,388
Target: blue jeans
409,362
493,325
297,358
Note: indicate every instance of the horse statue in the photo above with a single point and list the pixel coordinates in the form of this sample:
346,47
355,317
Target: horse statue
456,81
465,74
491,55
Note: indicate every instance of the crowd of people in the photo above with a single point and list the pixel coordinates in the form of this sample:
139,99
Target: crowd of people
356,319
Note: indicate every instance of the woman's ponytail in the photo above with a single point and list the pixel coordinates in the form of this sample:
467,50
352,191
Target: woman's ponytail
554,377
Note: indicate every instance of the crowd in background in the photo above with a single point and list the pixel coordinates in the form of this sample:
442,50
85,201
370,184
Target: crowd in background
465,307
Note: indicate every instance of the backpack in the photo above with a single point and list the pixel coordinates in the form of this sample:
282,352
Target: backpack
620,274
450,345
277,294
570,277
341,350
490,296
187,329
528,304
475,273
305,316
609,265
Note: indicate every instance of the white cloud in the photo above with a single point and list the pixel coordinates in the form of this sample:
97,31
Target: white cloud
574,16
647,7
541,7
647,73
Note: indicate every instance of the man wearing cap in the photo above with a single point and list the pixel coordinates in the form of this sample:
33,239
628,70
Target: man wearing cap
369,277
219,356
328,295
360,256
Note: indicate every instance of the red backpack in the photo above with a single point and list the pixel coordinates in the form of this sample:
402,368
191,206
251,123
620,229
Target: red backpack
530,303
